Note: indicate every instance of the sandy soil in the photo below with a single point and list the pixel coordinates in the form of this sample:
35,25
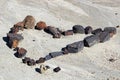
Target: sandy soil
89,64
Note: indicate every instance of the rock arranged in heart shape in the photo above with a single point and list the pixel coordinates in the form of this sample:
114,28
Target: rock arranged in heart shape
98,36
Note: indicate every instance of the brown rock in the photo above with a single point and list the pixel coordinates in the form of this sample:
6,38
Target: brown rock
29,22
31,62
21,52
19,25
68,32
41,25
26,59
15,43
41,60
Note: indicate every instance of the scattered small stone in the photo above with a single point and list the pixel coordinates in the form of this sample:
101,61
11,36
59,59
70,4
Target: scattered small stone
78,29
29,22
88,30
117,26
57,69
112,60
43,68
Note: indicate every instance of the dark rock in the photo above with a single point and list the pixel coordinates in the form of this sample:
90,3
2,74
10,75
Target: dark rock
26,59
31,62
91,40
68,32
57,69
55,54
13,39
41,60
54,31
65,51
78,29
111,30
16,49
48,57
21,53
88,30
75,47
104,36
29,22
97,31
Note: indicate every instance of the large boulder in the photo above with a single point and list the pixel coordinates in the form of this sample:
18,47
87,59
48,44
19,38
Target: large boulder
78,29
91,40
29,22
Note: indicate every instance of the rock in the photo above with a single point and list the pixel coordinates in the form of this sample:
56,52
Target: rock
41,25
57,69
75,47
55,54
97,31
29,22
41,60
31,62
54,31
14,30
21,53
43,68
91,40
68,32
78,29
65,51
13,39
111,30
19,26
104,36
26,59
88,30
48,57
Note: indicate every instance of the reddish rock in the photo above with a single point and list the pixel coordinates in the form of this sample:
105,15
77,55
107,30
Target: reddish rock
41,25
68,32
29,22
19,26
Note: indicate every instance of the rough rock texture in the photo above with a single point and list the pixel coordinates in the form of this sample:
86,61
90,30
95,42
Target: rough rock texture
29,22
91,40
19,25
75,47
41,60
78,29
40,25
